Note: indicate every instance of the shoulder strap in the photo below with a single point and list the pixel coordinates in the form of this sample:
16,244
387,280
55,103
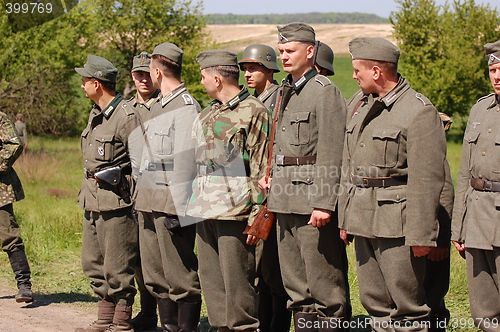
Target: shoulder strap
273,133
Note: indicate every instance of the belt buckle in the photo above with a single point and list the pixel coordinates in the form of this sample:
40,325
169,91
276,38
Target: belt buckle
364,182
280,159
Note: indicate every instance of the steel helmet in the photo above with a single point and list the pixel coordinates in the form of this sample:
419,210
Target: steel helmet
324,57
259,53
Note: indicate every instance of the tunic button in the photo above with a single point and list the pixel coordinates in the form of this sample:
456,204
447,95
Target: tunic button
362,145
297,119
280,149
477,197
397,197
283,129
489,130
484,153
358,168
308,180
480,176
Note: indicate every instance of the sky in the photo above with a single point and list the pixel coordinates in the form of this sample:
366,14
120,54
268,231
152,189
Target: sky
382,8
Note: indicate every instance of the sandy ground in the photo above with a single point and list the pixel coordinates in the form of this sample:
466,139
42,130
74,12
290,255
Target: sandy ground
337,36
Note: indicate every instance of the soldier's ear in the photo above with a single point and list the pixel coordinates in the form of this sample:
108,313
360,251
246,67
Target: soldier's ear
310,51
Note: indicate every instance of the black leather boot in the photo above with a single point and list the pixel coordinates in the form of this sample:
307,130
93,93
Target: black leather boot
189,316
168,311
305,321
282,317
146,319
22,271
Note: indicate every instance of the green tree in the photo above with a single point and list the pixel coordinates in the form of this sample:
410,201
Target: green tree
442,50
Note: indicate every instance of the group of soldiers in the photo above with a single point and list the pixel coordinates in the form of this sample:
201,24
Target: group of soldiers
161,174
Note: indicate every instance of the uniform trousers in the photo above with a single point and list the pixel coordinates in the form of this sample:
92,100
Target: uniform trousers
227,274
109,252
9,230
391,283
169,264
313,266
484,283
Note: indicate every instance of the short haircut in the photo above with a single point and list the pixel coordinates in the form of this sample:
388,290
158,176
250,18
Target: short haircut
108,86
390,67
229,73
168,67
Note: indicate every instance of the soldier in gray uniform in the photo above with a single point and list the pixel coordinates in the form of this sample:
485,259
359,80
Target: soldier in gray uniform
324,59
231,155
109,243
258,63
303,190
141,103
169,264
392,187
21,129
12,191
476,211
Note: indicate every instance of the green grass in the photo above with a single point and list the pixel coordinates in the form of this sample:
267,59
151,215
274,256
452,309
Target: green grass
50,221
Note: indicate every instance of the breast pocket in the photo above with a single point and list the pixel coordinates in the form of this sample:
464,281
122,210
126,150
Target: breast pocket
300,128
385,148
104,147
471,139
163,140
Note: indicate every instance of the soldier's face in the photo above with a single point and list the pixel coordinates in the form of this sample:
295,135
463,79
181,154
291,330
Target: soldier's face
143,82
89,86
209,83
296,57
256,75
494,70
364,75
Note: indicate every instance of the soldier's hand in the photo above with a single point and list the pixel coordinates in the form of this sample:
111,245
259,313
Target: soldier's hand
265,185
438,254
419,251
344,236
320,217
252,239
460,247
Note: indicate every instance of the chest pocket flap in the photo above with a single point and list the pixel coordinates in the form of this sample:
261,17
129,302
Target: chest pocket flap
299,117
497,139
385,147
162,141
300,128
386,134
471,137
104,147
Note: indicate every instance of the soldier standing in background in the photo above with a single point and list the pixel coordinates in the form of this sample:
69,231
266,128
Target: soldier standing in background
12,191
22,131
109,243
169,264
141,103
231,155
324,59
475,231
393,177
303,189
259,64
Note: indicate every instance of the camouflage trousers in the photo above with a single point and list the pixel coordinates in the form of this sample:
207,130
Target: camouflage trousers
9,230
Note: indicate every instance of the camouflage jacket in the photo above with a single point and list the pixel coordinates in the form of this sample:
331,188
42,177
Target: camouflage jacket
10,149
476,213
231,156
167,164
105,144
399,135
142,109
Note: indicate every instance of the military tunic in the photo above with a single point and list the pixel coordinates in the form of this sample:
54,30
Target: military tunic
109,244
142,109
11,189
311,122
231,155
476,212
399,135
163,188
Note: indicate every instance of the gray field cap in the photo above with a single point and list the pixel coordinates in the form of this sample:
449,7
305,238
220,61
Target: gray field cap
296,31
170,51
373,48
492,52
99,68
141,62
212,58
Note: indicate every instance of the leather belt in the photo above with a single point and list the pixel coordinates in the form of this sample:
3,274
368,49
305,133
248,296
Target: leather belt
485,185
221,170
160,166
382,182
282,160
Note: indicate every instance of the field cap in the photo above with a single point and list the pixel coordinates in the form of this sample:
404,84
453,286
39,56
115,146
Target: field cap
373,48
19,115
492,52
212,58
170,51
141,62
296,31
99,68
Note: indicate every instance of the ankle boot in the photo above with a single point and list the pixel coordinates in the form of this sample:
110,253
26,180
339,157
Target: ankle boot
105,314
330,324
282,317
168,311
121,320
22,271
305,321
146,319
189,316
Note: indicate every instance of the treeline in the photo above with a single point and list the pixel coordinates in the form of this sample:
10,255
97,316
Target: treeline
311,18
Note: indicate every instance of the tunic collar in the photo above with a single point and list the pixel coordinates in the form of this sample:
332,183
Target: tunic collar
299,84
108,110
172,94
